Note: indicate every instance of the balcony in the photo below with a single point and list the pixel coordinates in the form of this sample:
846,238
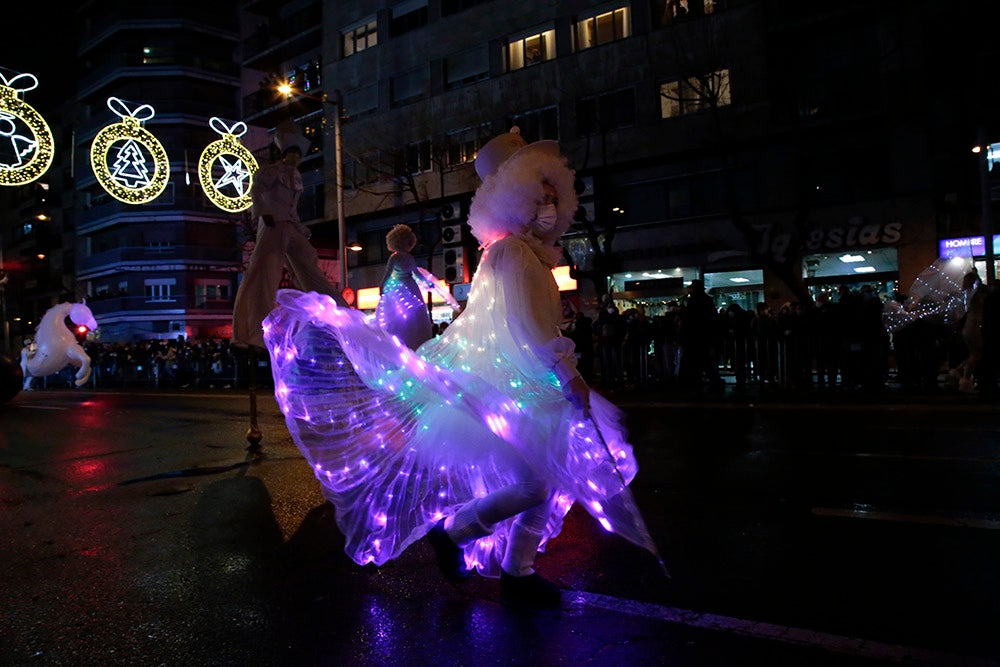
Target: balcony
162,205
146,255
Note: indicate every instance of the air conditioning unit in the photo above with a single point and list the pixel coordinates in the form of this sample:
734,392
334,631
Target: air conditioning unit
452,234
585,212
449,211
454,266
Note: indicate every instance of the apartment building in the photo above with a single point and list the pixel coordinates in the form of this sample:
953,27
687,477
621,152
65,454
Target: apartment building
167,264
763,146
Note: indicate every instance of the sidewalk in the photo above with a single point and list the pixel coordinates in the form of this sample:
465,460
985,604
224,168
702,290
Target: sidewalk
945,394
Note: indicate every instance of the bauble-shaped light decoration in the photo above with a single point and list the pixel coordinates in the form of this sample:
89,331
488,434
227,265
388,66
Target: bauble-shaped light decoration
226,167
121,165
26,145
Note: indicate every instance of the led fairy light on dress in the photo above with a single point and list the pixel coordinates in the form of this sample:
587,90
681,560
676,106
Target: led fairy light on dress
119,162
226,167
26,144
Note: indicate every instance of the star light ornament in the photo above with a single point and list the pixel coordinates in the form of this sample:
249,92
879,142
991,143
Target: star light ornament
226,168
26,145
123,155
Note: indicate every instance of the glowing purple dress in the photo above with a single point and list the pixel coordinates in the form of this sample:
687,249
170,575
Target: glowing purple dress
401,310
401,438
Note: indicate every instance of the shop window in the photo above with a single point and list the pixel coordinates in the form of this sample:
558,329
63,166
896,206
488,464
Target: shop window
601,28
695,93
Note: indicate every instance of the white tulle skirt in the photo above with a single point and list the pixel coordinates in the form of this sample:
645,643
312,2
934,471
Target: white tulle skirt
400,439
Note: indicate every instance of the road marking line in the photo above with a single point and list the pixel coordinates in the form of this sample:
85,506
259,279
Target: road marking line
967,521
883,455
772,632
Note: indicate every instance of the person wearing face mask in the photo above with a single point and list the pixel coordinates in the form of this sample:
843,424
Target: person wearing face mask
491,426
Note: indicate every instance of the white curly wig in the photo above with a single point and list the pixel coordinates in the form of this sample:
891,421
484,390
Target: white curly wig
507,201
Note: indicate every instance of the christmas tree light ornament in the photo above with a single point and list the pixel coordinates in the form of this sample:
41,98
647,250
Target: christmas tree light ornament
121,165
26,145
226,168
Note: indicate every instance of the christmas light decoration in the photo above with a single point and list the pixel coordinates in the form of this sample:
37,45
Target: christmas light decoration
119,163
26,145
226,168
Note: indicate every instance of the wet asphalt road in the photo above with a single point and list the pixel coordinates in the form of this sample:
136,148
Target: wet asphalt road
136,531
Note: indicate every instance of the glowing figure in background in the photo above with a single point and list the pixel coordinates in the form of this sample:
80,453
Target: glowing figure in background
466,436
55,346
402,311
937,295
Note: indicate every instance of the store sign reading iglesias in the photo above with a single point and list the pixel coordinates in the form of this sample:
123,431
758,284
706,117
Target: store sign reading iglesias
852,235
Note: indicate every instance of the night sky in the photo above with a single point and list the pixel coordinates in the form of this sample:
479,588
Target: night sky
37,37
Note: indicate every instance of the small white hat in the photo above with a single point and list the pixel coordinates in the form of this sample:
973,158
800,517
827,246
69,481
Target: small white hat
505,146
287,135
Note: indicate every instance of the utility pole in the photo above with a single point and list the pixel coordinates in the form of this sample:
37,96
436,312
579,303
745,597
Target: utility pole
986,200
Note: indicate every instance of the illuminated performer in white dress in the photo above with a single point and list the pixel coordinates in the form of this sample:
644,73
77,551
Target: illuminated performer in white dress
401,310
485,436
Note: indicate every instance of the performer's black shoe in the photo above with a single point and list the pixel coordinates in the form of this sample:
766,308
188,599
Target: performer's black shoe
450,558
531,591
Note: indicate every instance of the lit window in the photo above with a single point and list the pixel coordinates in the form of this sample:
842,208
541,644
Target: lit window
602,28
531,50
417,158
160,289
694,94
211,290
360,37
666,12
463,145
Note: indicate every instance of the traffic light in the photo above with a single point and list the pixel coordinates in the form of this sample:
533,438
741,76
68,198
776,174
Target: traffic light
454,265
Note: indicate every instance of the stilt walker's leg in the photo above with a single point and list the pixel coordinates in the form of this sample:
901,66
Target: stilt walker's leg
254,436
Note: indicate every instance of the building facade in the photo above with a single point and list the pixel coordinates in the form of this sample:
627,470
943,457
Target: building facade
771,148
166,267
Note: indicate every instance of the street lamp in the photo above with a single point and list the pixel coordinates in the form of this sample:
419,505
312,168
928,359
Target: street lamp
288,91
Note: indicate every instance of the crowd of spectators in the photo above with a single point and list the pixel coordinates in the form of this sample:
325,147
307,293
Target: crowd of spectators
837,342
180,362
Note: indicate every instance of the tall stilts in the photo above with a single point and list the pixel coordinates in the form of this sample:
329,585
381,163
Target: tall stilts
254,436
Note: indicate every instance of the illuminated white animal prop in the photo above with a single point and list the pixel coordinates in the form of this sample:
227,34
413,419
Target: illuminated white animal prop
55,346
